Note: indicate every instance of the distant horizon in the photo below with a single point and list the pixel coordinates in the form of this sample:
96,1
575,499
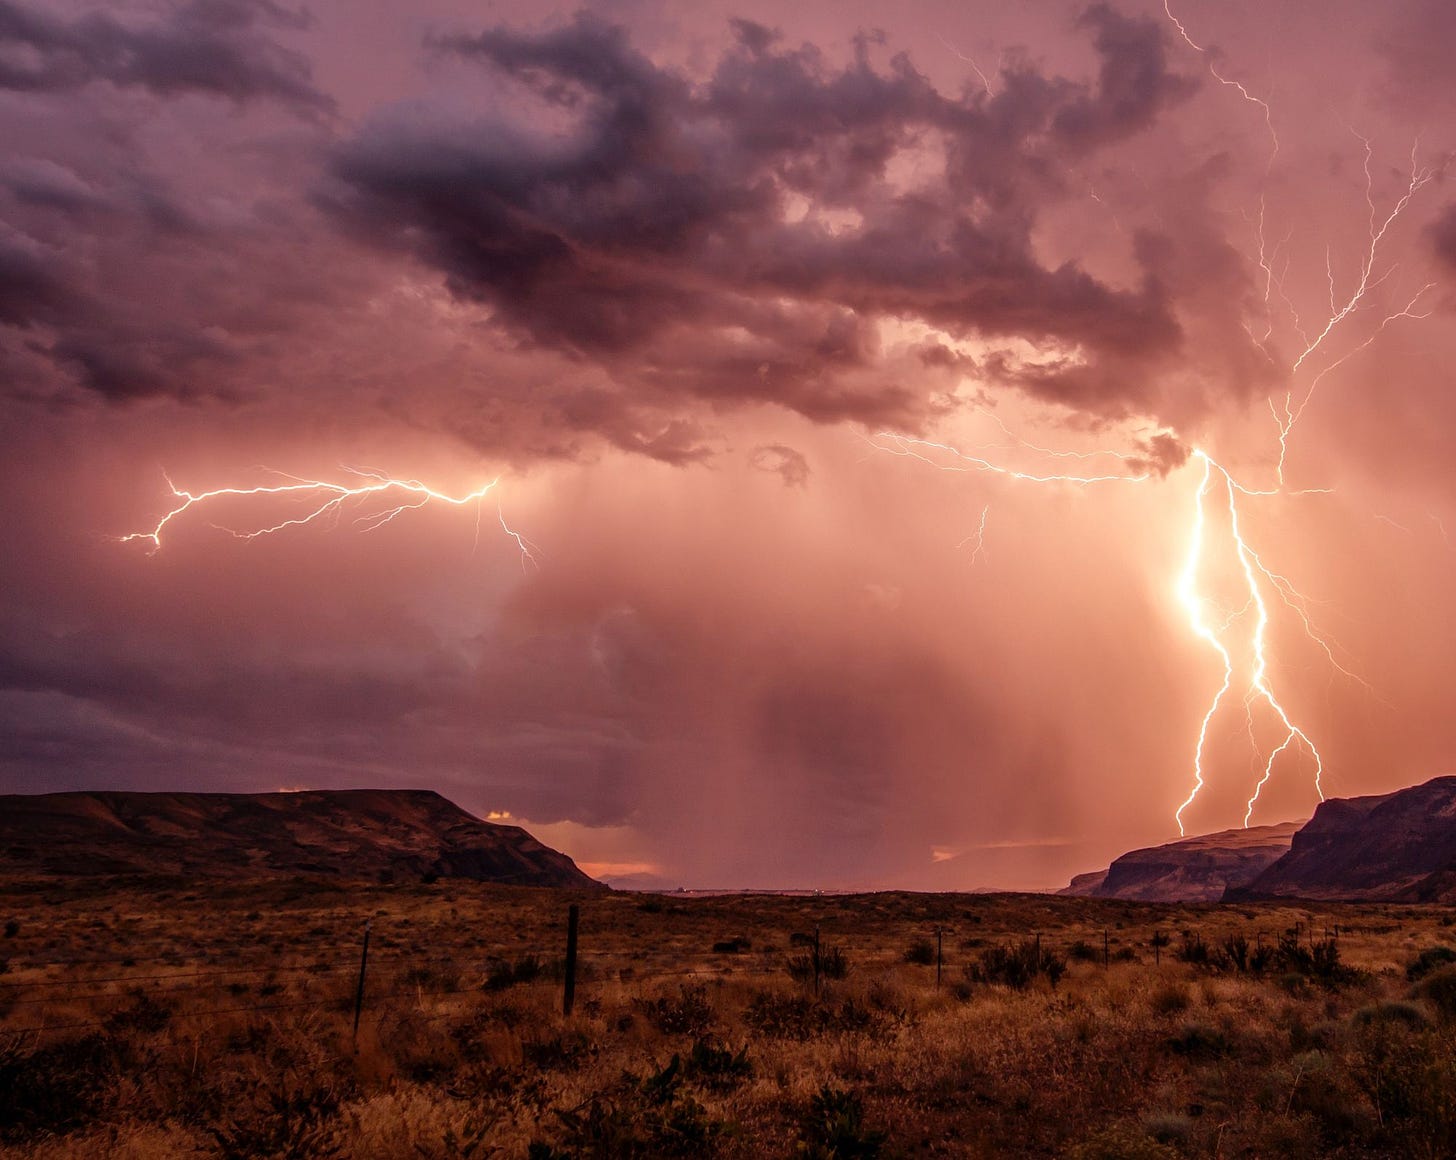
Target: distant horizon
648,882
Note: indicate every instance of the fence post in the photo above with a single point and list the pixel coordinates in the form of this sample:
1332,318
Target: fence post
816,961
568,996
1104,948
359,990
937,958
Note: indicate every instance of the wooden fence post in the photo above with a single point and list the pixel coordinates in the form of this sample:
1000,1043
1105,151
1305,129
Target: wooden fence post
568,996
359,990
1104,948
937,957
816,961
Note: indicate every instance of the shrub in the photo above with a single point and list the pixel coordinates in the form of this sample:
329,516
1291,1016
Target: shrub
833,1127
637,1116
1429,960
1409,1076
828,963
55,1088
1236,951
1391,1011
783,1016
716,1066
921,952
1082,951
1199,1041
1017,966
565,1051
1170,998
833,963
1193,950
1438,989
294,1117
1318,960
503,974
688,1014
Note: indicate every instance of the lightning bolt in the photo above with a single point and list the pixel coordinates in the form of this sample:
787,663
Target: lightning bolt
979,536
1193,602
1239,638
925,449
1256,576
326,500
985,80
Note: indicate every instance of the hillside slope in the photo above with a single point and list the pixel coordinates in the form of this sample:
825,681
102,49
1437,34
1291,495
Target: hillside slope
364,833
1197,869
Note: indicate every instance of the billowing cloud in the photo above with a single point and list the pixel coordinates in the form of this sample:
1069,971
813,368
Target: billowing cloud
213,47
1443,236
738,239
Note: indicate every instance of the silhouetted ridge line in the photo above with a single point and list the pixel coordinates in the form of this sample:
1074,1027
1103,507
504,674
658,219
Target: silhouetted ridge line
378,834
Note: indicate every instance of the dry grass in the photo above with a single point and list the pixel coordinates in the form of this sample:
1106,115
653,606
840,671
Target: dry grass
192,1021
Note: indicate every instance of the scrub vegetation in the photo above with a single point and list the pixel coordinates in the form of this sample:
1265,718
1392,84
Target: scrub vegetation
161,1018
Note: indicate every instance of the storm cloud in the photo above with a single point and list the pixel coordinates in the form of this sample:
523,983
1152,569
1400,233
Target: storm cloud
738,239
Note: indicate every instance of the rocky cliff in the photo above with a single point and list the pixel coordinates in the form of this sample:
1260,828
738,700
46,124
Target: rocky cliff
1397,847
1197,869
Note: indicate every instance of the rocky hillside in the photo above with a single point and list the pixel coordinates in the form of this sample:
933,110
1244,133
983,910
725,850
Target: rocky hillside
1197,869
382,835
1397,847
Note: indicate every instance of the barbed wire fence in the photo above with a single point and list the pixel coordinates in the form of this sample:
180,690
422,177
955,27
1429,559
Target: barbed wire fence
45,995
354,983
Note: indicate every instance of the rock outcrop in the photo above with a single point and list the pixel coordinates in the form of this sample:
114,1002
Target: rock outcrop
1197,869
1396,847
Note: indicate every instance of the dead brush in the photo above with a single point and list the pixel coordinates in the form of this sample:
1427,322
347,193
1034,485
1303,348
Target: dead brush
688,1013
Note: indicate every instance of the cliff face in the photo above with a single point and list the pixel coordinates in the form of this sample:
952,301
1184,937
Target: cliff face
1197,869
1397,847
375,834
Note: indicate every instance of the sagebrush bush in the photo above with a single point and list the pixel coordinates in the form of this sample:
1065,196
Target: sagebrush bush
1017,966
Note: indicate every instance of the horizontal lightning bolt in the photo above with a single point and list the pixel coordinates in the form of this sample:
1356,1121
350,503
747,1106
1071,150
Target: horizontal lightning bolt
326,499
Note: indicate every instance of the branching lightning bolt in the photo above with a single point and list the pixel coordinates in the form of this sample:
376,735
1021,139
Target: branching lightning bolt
326,500
1194,603
1342,306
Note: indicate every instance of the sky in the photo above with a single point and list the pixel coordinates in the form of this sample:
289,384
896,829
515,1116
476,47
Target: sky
839,445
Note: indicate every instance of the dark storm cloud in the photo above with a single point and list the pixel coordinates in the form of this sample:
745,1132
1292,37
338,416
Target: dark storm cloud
1160,454
1442,232
31,290
204,46
684,235
1133,82
1415,41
